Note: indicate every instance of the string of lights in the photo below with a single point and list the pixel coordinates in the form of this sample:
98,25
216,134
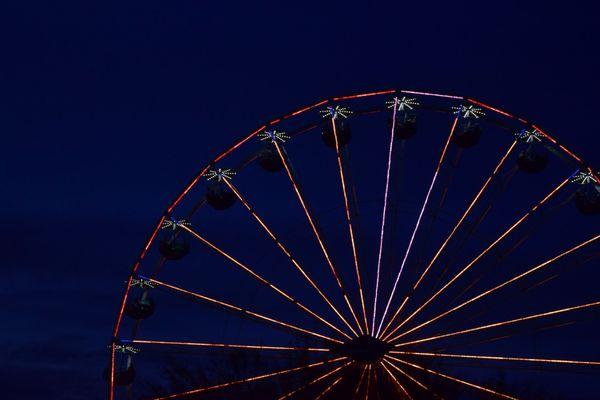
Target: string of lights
500,286
411,378
451,235
476,259
503,323
314,227
288,253
312,382
396,381
244,311
461,381
247,380
384,212
264,281
498,358
416,228
350,229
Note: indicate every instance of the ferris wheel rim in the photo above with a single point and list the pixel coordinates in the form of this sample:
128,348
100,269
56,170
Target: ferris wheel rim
274,122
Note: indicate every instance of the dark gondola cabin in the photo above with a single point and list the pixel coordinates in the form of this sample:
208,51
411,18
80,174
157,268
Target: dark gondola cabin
219,196
405,126
269,159
342,128
173,248
141,308
468,135
533,159
587,199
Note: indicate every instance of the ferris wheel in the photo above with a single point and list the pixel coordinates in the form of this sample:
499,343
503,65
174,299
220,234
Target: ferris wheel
391,244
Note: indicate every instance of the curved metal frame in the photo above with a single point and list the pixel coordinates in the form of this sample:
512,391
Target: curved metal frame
364,326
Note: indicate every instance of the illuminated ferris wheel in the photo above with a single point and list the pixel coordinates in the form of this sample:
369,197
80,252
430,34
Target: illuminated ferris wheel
392,244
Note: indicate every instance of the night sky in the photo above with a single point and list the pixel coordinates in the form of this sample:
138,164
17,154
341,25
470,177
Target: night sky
109,109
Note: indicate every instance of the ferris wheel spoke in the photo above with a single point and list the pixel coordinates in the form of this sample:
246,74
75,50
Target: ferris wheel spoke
369,374
264,281
248,380
396,381
328,388
463,382
499,358
452,232
312,382
418,223
500,286
505,336
384,212
244,311
411,378
294,182
287,252
375,385
502,323
360,381
473,226
467,211
479,256
350,228
224,345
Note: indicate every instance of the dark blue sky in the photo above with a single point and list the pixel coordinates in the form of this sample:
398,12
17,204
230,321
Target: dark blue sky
108,110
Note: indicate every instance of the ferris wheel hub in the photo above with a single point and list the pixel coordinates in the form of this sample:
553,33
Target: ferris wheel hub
364,349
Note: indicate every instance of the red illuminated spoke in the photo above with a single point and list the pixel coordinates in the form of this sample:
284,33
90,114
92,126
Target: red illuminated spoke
225,345
350,229
286,251
318,379
328,389
416,228
375,382
472,385
415,381
244,311
500,358
503,323
447,240
313,226
264,281
369,374
393,377
360,381
247,380
476,259
500,286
